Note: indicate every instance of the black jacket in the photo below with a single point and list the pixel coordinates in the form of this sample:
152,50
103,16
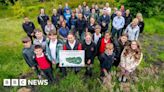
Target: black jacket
141,26
90,51
42,20
105,20
81,25
54,19
28,27
91,28
106,61
128,20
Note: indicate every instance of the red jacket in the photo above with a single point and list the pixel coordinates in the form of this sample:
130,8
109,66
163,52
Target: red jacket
102,45
77,46
42,62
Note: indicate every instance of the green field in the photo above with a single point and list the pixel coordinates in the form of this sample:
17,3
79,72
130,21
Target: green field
149,75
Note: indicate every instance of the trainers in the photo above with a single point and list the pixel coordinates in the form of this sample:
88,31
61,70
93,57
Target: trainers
120,79
124,79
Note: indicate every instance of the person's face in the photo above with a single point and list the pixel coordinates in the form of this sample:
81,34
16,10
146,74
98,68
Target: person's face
124,39
71,38
26,20
66,5
88,38
92,20
107,36
134,45
93,10
80,16
48,23
97,31
119,14
134,23
27,44
42,11
54,11
84,3
38,51
53,37
39,35
63,24
127,12
109,51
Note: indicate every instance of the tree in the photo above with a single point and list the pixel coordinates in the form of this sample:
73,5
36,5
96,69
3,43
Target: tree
146,7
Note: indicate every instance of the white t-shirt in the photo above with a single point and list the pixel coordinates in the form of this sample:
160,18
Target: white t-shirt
52,47
96,37
72,45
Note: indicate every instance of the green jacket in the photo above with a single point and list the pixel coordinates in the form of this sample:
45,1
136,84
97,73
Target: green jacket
59,46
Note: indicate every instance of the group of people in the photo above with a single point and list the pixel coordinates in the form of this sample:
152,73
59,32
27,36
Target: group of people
85,29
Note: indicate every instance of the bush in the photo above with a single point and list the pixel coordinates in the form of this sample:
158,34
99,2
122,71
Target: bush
147,7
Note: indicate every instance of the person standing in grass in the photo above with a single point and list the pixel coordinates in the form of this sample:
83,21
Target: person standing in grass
71,44
63,32
128,18
44,63
28,53
49,27
104,21
81,25
28,27
130,58
42,19
106,59
55,18
119,45
91,25
40,39
103,41
90,53
133,30
118,24
53,45
141,23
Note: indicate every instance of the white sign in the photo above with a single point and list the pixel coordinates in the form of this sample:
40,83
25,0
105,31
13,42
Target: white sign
71,58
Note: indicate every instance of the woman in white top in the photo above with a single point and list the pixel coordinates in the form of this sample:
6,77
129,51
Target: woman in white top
130,59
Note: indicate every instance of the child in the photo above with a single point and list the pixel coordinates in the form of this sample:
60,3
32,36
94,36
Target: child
71,44
28,55
97,34
40,39
43,63
42,19
52,47
90,52
106,59
119,45
49,27
130,59
28,27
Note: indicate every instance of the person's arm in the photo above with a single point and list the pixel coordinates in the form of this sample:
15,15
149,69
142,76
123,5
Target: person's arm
28,60
39,21
137,34
48,52
114,22
123,23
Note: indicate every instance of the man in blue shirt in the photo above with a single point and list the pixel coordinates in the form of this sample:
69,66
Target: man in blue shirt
118,24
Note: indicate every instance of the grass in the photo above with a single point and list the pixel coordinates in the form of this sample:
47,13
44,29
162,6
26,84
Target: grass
12,64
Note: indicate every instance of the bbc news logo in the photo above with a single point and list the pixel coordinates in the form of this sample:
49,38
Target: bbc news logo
23,82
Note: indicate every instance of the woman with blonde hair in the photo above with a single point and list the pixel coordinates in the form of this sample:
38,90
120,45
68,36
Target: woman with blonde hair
141,23
130,58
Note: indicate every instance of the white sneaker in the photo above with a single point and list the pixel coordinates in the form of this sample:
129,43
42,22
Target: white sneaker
124,79
119,79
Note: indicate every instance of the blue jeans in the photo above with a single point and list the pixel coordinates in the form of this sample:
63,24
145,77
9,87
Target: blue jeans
114,31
